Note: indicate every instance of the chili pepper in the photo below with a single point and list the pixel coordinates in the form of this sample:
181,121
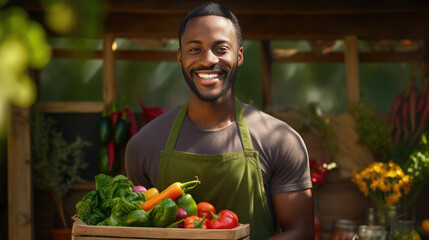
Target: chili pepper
395,107
173,191
164,213
196,222
121,130
204,209
226,219
114,115
423,118
404,119
111,151
186,202
105,127
151,113
137,218
413,98
104,161
134,128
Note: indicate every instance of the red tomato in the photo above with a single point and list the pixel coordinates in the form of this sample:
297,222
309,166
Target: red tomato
204,208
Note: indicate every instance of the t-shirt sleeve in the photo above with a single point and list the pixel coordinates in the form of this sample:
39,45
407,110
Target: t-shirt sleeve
290,166
134,164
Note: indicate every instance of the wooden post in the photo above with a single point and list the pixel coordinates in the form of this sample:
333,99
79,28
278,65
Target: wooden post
351,57
109,85
266,83
19,175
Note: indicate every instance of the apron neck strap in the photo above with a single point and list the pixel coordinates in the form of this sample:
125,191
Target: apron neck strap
178,121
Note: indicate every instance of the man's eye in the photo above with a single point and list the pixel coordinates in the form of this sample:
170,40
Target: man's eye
193,50
222,49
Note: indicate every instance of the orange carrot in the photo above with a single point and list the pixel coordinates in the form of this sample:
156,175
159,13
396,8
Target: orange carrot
173,191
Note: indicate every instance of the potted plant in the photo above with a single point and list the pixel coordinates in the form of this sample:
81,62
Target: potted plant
56,163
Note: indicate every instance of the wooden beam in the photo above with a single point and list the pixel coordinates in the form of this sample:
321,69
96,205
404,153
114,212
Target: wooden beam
351,58
338,57
255,6
283,26
109,85
266,82
132,55
72,107
19,175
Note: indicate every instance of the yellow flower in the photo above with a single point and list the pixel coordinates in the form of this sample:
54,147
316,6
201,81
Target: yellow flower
386,183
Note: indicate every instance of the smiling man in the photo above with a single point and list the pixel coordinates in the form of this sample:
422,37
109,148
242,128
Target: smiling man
247,161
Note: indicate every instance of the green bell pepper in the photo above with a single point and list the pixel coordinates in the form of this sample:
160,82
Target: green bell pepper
137,218
164,213
186,202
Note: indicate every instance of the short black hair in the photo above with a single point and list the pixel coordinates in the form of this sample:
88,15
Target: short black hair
210,9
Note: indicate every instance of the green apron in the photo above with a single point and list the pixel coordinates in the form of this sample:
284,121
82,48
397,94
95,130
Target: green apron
230,181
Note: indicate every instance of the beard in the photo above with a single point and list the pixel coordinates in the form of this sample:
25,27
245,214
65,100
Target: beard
227,83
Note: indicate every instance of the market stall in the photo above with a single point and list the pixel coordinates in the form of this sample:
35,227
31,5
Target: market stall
264,22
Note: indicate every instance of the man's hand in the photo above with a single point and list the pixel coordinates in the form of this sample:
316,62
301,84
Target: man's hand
295,215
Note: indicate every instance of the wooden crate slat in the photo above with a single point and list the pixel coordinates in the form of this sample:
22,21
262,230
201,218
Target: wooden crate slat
80,230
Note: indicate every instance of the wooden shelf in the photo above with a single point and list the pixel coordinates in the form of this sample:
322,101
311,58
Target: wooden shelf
72,107
90,185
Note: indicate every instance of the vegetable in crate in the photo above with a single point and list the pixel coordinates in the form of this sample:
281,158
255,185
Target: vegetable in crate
150,193
226,219
111,201
188,203
164,213
204,209
137,218
173,191
196,222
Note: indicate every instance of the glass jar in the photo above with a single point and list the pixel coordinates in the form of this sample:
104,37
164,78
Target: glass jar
344,229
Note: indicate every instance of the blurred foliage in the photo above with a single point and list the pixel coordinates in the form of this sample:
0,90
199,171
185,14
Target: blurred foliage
373,131
23,45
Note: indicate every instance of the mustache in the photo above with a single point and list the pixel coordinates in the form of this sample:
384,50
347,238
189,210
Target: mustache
215,67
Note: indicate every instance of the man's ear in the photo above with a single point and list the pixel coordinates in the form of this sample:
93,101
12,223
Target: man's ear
240,56
179,56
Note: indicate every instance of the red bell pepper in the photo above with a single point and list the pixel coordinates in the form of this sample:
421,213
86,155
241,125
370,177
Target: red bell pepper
226,219
204,209
196,222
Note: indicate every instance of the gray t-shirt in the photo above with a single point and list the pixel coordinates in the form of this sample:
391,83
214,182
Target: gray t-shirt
282,153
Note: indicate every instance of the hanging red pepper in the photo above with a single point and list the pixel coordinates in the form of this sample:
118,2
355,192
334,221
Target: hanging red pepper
134,128
226,219
111,153
151,113
196,222
114,115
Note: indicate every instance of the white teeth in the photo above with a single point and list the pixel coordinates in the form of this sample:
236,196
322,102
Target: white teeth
208,76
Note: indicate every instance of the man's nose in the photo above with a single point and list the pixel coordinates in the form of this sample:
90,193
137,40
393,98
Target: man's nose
209,58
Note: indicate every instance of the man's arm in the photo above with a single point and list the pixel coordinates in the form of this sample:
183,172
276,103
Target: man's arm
295,215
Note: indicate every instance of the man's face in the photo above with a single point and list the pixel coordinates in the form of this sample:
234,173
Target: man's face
210,56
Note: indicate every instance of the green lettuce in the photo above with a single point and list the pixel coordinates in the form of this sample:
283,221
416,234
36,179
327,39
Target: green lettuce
110,202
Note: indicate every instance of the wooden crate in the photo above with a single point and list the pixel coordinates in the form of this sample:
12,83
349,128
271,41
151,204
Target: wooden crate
81,231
